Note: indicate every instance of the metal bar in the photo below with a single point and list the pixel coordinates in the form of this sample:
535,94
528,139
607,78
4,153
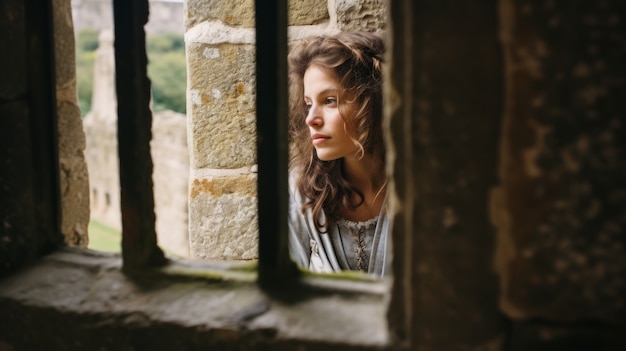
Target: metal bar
139,243
398,116
272,145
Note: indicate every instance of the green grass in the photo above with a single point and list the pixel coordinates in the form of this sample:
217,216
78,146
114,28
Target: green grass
104,238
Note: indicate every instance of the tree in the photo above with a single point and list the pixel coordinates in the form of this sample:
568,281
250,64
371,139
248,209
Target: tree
166,70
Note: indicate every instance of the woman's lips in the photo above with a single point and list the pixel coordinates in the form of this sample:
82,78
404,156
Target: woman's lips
319,138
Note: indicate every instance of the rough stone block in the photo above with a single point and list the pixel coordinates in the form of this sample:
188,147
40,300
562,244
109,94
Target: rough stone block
73,171
72,166
561,208
223,211
232,13
64,47
171,177
239,14
222,105
307,12
75,200
361,15
71,134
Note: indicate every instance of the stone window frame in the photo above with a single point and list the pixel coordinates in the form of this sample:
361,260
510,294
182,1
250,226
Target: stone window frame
316,312
276,273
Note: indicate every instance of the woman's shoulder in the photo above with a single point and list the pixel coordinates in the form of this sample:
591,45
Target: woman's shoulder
296,199
293,179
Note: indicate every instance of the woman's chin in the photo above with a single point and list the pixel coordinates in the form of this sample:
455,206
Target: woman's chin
324,157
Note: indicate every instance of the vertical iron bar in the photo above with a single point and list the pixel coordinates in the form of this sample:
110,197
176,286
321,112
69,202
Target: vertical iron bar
134,121
272,150
398,116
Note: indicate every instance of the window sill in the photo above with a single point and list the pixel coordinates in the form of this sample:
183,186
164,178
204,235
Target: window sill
207,304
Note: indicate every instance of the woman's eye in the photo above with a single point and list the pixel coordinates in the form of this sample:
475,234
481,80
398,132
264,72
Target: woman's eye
331,101
307,106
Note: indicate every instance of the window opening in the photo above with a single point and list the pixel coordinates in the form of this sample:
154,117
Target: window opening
134,124
93,23
140,251
221,90
137,206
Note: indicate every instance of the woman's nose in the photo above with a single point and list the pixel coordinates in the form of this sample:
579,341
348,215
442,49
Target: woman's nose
313,118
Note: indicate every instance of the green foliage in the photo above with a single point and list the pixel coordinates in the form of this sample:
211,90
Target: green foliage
166,69
84,79
86,44
168,74
87,40
165,43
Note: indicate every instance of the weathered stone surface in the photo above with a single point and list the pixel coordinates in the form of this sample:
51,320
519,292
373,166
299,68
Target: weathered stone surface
224,213
444,133
17,233
307,12
101,138
561,209
546,336
71,135
73,168
361,15
220,186
221,105
103,166
64,42
13,41
104,98
171,177
232,13
237,14
74,178
198,308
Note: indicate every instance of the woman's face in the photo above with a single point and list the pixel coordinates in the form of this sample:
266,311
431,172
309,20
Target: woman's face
328,129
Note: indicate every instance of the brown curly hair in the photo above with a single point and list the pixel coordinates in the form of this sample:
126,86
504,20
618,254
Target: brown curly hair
355,59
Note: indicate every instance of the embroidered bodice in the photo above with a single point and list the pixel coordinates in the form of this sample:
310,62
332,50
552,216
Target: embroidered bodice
356,240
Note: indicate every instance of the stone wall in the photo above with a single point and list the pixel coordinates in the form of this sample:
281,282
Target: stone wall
219,38
169,156
560,207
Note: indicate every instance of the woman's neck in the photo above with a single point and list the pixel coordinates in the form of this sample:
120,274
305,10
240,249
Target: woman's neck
367,175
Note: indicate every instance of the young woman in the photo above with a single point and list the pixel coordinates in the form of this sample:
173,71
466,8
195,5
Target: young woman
337,218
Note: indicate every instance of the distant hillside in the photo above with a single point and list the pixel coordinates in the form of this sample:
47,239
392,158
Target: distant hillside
166,16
